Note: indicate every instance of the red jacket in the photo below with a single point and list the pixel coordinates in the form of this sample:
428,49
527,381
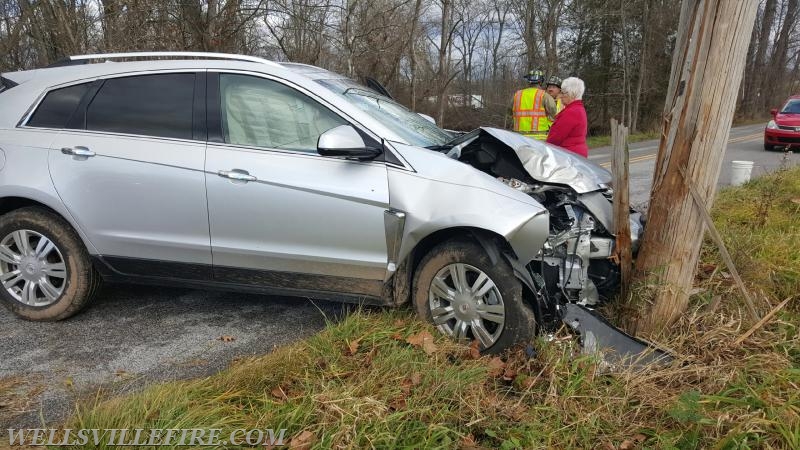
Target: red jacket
569,129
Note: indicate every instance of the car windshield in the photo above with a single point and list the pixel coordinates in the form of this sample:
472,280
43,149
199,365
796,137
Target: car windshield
791,107
412,127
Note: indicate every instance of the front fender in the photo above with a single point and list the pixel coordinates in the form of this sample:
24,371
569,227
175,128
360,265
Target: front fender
431,205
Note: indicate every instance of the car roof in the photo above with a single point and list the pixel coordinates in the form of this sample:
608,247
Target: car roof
53,76
31,83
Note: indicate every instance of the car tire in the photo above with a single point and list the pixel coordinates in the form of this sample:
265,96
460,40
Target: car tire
769,148
457,312
45,271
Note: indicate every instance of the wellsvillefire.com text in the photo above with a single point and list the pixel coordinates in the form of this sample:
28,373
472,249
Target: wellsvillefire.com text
124,437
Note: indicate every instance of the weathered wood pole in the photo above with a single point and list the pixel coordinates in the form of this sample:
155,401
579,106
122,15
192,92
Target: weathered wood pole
707,68
622,206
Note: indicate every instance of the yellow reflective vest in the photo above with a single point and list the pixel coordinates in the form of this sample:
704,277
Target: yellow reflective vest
530,118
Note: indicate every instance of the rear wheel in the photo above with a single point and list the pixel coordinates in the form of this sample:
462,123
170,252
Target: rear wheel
45,272
768,147
467,297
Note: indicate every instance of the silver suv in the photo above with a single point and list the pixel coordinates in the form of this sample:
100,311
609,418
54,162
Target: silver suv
237,173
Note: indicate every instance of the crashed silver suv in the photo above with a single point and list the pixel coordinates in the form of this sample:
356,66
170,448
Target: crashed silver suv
236,173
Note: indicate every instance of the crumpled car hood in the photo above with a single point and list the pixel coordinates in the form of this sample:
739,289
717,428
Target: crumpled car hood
491,149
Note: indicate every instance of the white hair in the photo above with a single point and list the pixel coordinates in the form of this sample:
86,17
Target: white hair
573,87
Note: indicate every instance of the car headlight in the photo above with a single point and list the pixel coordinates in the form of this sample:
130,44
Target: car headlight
771,125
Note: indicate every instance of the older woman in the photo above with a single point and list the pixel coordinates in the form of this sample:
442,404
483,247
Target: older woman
569,129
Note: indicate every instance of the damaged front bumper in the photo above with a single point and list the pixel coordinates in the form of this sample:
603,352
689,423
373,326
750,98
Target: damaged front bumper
614,346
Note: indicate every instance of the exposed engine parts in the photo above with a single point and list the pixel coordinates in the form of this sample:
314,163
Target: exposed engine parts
576,246
574,265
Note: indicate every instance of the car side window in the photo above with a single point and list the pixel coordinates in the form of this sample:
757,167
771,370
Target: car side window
58,106
151,105
264,113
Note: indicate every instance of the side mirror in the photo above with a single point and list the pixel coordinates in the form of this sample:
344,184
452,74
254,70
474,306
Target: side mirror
774,112
345,142
428,118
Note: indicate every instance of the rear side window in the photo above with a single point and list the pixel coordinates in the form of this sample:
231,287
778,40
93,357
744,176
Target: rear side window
57,107
150,105
6,84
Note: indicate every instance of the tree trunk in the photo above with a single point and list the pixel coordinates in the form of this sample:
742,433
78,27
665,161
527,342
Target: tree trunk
606,49
642,66
529,36
444,63
780,60
757,91
412,53
706,71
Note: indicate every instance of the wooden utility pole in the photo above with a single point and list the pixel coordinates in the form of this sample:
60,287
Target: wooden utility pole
622,205
707,67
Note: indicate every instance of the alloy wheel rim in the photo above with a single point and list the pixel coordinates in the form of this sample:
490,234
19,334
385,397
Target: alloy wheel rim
466,304
32,268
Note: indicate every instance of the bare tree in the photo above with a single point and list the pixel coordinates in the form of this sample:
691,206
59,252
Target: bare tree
299,27
443,76
473,18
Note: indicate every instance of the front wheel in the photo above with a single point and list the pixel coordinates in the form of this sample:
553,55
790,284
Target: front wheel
769,148
467,297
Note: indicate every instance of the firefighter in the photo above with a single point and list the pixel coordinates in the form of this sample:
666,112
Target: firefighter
533,109
554,89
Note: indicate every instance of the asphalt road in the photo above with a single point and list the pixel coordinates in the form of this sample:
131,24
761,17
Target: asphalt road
133,335
745,143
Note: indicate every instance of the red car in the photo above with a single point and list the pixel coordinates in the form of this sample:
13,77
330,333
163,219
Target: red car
784,129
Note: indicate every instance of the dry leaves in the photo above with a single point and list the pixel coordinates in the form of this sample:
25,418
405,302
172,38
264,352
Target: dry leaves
469,443
399,403
509,374
496,366
302,441
630,444
370,356
352,347
414,380
279,393
474,349
424,340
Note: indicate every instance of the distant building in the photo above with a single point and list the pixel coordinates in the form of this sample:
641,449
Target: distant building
461,100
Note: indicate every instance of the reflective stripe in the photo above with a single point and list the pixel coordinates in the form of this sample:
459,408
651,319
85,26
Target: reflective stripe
516,108
530,117
531,113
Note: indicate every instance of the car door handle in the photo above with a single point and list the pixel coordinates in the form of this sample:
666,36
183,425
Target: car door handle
237,174
77,151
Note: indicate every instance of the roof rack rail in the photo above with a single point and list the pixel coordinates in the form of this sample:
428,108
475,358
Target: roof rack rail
83,59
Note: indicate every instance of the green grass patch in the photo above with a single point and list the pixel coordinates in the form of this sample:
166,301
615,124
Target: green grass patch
760,223
361,384
604,141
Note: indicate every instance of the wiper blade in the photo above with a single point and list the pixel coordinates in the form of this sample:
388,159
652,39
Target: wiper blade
440,148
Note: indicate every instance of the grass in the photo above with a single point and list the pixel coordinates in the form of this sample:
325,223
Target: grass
603,141
366,382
